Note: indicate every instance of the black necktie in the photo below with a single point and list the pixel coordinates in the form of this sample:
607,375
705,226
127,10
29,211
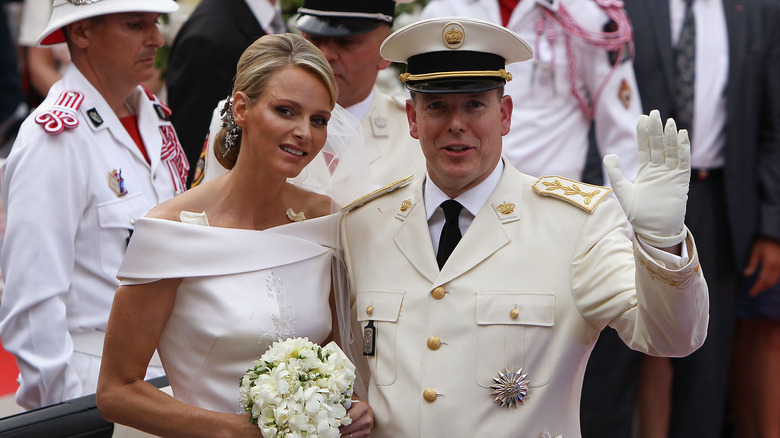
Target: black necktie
450,233
685,73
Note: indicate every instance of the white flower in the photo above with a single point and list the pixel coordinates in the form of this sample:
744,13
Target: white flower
299,389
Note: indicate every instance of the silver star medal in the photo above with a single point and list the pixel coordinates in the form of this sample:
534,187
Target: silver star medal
510,388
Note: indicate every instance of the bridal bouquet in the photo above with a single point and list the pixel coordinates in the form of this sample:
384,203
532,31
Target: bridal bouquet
299,389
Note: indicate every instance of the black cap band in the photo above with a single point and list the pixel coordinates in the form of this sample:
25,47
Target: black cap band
435,62
341,18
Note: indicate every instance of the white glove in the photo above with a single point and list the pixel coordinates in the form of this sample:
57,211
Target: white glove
655,203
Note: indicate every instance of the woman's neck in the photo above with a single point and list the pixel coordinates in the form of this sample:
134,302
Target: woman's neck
254,201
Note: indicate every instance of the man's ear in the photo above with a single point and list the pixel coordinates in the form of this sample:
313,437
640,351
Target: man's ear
382,32
411,117
240,106
506,114
382,63
79,33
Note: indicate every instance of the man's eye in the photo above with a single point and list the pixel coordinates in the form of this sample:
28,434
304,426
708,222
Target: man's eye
346,42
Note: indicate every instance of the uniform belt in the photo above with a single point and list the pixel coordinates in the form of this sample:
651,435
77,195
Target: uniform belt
91,343
705,174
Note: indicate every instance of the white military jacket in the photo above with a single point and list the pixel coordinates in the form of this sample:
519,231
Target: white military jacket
391,151
73,186
549,134
529,287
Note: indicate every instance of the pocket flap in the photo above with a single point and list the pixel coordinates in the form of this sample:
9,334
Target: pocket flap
123,212
379,305
522,308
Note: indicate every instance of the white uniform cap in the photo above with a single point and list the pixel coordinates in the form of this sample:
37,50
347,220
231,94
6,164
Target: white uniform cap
65,12
455,54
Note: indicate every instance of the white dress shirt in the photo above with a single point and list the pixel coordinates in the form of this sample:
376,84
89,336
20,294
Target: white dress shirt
266,11
712,67
472,200
360,109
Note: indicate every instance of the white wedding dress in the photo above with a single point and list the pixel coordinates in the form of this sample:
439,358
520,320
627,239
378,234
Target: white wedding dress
242,290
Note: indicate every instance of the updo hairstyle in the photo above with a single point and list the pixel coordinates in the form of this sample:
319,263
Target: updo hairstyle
259,61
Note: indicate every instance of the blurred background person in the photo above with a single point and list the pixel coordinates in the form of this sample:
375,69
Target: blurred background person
97,154
349,33
714,67
754,401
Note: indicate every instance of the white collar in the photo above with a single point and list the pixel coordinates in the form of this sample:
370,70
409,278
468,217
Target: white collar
360,109
472,200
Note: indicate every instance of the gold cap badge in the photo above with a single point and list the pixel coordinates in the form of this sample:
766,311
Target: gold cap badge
453,35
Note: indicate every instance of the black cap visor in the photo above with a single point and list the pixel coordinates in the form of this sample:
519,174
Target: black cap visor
334,26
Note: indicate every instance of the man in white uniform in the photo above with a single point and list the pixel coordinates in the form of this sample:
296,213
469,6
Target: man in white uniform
97,154
582,72
349,33
480,291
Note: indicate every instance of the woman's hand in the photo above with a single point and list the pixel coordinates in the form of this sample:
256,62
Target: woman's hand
362,420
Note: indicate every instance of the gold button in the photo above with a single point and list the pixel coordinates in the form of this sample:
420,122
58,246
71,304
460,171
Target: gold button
514,313
369,310
429,395
434,342
438,293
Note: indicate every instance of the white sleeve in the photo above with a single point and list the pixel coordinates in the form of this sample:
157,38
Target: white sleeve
666,259
656,309
44,191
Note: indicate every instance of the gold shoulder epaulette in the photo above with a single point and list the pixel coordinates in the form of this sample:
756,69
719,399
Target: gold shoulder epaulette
377,193
583,195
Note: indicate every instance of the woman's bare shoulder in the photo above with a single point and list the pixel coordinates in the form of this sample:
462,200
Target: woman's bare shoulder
314,204
323,205
194,200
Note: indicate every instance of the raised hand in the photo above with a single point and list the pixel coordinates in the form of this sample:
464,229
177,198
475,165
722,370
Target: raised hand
655,202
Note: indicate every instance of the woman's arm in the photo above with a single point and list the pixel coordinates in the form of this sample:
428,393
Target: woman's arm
138,316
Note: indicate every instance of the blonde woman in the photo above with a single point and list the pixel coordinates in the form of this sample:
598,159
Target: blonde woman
217,274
